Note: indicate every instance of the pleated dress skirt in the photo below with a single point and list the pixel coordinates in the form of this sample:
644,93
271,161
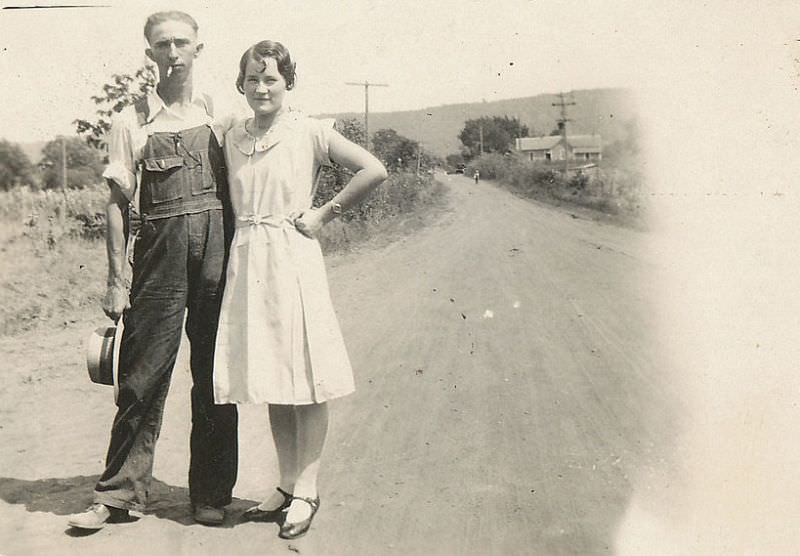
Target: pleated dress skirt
278,340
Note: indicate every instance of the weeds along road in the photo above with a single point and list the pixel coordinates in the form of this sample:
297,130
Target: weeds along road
509,401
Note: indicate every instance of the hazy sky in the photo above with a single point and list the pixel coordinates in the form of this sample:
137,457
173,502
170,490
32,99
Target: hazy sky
430,53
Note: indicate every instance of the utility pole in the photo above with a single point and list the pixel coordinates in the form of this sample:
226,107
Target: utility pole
562,125
366,85
480,134
420,134
63,165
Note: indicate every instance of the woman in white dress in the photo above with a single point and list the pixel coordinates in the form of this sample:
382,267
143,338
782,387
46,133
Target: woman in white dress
279,341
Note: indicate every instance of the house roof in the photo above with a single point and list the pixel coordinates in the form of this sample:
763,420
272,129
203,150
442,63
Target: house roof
538,143
579,143
585,143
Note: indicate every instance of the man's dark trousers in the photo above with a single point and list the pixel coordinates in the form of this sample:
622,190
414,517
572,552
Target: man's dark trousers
179,265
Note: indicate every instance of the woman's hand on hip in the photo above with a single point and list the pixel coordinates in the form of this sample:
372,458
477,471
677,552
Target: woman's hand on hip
309,222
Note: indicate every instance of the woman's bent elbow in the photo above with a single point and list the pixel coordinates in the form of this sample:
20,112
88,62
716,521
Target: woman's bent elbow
381,174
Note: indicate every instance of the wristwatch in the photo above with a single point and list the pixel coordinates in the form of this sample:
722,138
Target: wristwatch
336,208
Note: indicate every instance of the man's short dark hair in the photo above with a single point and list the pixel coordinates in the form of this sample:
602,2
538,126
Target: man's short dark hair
161,17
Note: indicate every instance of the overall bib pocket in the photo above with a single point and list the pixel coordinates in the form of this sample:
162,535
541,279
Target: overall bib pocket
163,178
198,169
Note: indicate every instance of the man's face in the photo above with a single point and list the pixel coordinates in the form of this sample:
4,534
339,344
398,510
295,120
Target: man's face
173,47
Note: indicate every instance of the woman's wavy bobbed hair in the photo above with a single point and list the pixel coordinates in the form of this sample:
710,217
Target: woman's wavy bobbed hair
268,49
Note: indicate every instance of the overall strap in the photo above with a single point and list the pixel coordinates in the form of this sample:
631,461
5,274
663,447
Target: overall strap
142,108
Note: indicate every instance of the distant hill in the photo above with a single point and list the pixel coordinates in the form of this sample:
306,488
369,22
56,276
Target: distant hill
602,111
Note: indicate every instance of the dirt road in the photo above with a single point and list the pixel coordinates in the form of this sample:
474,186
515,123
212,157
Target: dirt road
509,400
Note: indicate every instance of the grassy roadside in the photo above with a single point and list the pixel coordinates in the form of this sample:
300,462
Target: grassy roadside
611,192
53,254
401,205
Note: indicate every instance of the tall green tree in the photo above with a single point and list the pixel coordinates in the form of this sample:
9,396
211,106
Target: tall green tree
394,150
84,163
122,91
454,159
498,133
15,166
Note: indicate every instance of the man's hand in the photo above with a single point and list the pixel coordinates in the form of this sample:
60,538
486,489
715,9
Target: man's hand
116,301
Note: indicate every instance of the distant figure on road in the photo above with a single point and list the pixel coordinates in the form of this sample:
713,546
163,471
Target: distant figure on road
476,175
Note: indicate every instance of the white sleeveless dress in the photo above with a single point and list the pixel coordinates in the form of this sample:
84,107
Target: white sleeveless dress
278,339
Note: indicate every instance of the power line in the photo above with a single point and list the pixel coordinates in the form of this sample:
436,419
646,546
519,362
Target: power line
562,125
366,85
563,105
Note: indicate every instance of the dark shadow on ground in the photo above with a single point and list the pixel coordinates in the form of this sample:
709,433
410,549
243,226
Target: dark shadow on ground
56,496
65,496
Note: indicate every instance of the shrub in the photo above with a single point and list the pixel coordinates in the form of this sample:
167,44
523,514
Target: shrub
400,195
614,190
51,215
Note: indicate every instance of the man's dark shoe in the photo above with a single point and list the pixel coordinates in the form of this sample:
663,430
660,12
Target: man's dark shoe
96,517
209,515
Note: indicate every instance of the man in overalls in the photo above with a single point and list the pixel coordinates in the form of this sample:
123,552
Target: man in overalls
170,142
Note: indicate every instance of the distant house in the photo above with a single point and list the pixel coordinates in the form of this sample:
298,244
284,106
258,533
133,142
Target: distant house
558,147
586,147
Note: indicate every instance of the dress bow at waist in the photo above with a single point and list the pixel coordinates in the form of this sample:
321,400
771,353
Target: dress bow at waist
249,223
271,220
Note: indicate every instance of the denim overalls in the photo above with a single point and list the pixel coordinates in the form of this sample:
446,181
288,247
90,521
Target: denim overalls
179,264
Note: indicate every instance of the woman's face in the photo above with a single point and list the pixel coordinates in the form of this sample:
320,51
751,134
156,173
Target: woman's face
264,87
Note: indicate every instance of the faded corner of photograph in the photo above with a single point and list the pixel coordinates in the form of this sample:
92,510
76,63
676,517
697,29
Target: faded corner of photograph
721,137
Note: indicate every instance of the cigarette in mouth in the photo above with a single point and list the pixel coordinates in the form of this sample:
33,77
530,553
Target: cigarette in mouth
169,71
